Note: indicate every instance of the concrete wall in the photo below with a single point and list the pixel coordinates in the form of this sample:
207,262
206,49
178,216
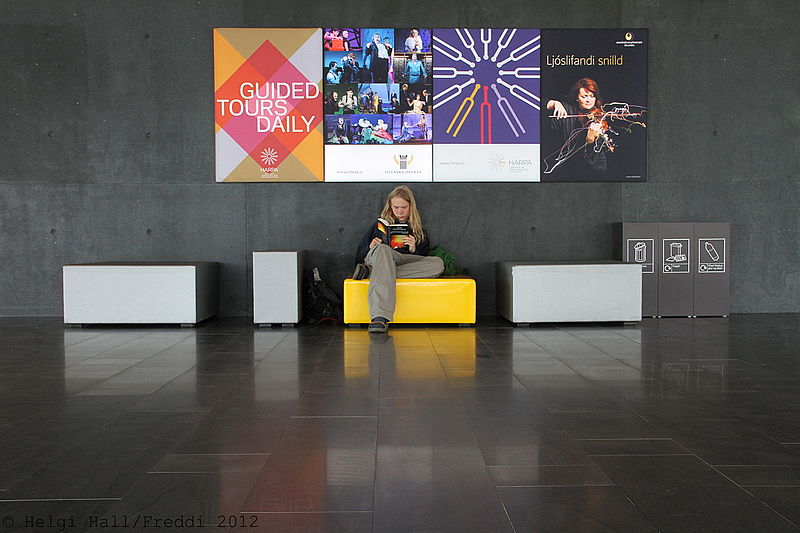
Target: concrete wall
107,149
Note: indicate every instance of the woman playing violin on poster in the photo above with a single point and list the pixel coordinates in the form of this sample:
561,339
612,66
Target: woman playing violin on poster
579,121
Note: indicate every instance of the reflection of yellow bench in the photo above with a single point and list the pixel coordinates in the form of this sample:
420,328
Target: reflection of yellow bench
449,300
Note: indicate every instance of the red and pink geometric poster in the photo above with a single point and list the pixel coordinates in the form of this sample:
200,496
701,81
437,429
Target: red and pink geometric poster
268,104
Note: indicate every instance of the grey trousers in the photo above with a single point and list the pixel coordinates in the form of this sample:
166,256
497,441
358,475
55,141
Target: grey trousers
386,265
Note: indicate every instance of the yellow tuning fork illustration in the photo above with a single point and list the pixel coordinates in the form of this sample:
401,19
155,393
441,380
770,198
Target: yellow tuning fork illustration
466,106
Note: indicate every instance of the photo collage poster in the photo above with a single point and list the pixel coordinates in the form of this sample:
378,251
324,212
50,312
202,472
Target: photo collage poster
378,103
419,104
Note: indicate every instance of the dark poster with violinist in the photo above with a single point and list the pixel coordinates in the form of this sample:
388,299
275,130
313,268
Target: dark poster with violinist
594,105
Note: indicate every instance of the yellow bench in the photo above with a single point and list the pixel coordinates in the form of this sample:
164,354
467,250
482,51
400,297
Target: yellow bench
448,300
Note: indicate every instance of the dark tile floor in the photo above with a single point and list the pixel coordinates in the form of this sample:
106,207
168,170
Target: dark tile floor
676,425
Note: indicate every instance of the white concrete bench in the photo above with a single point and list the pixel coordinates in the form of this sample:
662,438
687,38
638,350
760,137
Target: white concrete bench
603,291
140,293
277,287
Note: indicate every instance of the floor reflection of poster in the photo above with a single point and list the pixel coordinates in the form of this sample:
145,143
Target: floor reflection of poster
594,105
268,104
486,104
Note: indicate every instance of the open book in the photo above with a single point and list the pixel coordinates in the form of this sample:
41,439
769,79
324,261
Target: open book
392,234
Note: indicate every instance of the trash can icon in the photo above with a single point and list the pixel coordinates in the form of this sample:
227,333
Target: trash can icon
640,252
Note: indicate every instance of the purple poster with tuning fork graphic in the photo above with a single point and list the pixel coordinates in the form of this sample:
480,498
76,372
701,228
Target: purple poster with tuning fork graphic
486,86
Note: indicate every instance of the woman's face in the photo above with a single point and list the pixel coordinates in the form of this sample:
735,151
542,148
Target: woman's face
400,209
586,99
414,33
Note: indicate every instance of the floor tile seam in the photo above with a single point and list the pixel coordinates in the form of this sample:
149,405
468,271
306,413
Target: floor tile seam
641,455
204,472
360,511
505,509
251,454
47,500
532,341
771,465
314,417
258,475
555,485
586,411
543,465
745,485
94,335
756,498
625,439
99,334
625,363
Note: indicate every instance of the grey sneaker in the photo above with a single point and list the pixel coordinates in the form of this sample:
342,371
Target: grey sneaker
361,271
378,325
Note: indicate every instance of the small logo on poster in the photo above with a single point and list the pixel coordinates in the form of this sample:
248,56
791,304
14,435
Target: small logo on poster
269,156
403,161
629,42
497,162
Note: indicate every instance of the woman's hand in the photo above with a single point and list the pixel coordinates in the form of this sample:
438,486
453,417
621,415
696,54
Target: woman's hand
411,242
557,108
375,242
594,131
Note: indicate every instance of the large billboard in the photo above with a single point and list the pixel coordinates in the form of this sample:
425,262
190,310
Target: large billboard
421,104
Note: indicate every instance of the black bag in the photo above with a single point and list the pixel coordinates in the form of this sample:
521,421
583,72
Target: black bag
322,304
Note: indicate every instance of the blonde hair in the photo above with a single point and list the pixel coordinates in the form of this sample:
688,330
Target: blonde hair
414,220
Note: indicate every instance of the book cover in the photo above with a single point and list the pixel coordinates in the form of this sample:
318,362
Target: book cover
392,234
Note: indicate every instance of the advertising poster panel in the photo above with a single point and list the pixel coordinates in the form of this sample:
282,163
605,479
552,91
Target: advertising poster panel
486,104
268,104
421,104
594,112
378,100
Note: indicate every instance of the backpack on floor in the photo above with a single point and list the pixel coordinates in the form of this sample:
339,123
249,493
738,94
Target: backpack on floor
322,305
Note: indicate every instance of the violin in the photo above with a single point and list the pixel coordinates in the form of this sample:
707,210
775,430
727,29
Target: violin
598,116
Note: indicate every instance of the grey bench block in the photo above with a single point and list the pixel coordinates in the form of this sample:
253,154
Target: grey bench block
140,293
606,291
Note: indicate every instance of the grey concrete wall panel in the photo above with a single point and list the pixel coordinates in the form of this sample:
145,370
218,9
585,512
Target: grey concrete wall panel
44,114
111,92
675,268
712,247
49,225
639,244
699,48
102,95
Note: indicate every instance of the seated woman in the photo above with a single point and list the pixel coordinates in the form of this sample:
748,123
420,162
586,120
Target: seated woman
383,264
381,131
